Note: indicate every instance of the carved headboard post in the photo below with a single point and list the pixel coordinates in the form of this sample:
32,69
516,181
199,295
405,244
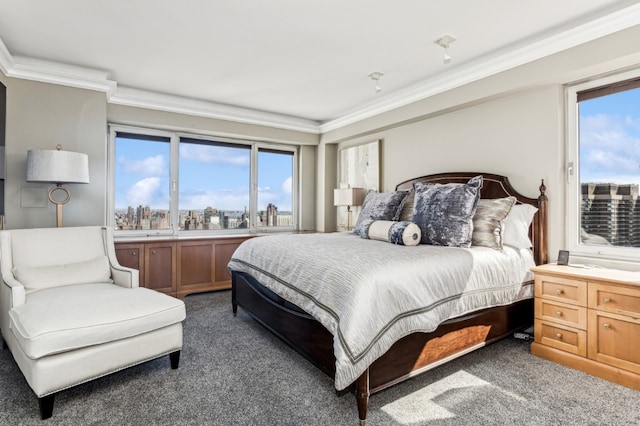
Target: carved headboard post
541,254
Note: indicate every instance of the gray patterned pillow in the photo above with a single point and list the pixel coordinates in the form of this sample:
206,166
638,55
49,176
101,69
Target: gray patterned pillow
406,214
444,213
488,222
379,206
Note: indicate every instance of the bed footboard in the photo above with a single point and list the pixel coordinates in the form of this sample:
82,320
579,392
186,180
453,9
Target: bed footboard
295,327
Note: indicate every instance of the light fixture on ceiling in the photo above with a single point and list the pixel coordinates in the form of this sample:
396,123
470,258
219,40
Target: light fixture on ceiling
375,76
444,42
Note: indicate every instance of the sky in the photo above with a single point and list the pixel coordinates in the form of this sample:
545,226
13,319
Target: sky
610,138
209,176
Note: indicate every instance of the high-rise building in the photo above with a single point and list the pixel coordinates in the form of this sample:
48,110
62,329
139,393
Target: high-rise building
612,212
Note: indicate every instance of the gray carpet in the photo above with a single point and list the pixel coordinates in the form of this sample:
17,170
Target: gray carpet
233,372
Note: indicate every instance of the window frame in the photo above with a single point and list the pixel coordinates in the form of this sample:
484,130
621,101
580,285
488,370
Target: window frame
174,178
572,170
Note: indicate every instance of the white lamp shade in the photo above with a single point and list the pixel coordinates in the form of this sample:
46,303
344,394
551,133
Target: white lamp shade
57,166
348,196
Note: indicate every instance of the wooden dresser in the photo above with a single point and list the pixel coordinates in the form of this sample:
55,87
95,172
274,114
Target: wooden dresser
180,266
589,319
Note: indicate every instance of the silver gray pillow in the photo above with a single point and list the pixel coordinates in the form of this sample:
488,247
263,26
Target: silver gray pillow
488,222
379,206
444,213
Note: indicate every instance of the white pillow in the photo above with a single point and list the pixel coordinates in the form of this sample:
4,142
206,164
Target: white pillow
516,226
35,278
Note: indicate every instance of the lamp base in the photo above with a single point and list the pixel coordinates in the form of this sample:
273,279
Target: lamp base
59,203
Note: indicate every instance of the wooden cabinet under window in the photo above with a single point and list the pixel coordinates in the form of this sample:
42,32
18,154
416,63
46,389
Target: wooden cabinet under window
181,266
589,319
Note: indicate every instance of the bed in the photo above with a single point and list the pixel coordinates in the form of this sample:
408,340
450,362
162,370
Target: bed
319,309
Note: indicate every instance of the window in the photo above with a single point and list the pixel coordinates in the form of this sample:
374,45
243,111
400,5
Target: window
603,168
215,178
275,188
167,183
142,182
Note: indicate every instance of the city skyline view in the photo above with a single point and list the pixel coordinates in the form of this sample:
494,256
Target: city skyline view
213,184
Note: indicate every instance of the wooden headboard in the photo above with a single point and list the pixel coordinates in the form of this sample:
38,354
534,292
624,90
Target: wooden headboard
497,186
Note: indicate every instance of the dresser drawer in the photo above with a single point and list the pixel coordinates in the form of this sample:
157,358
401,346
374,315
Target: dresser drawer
616,299
561,289
615,340
561,313
557,336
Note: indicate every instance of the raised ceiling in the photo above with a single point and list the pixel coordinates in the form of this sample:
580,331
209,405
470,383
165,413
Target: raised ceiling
289,63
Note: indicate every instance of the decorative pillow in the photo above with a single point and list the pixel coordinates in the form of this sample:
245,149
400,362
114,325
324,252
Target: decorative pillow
35,278
488,221
403,233
379,206
444,213
406,214
516,226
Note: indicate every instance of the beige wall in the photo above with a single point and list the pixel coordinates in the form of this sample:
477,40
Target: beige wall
510,123
41,115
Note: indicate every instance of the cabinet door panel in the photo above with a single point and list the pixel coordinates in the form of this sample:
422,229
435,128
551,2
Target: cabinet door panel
160,267
224,251
614,340
195,266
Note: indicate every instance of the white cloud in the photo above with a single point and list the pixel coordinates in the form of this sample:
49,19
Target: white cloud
147,191
287,185
150,166
214,155
609,149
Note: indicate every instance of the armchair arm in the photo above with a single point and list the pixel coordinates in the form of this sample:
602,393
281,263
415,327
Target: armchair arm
12,291
125,277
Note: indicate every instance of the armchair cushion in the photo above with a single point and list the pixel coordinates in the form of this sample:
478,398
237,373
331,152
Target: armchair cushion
34,278
65,318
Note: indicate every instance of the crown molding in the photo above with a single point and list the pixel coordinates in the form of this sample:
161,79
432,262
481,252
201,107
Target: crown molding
590,31
67,75
6,60
98,80
159,101
55,73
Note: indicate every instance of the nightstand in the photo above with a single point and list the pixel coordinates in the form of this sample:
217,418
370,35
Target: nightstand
589,319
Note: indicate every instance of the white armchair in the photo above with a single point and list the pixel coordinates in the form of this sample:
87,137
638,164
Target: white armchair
69,313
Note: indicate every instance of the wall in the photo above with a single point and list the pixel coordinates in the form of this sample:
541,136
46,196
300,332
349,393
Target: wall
39,116
511,123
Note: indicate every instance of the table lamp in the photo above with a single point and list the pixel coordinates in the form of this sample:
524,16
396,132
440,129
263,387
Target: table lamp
57,166
349,197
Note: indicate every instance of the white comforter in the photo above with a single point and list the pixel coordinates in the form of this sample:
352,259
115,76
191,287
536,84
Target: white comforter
369,294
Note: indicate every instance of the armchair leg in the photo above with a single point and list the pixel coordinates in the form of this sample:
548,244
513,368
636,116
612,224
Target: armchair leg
46,406
175,359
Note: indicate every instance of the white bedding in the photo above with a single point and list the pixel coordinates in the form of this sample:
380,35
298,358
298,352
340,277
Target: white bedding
369,293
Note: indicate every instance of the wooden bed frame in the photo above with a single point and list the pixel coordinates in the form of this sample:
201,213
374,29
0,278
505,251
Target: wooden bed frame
415,353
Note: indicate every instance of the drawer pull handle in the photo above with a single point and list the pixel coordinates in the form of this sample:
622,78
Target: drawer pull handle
606,325
606,300
153,252
559,291
133,253
559,336
558,313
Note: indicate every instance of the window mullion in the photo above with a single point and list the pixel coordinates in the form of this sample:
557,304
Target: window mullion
174,184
